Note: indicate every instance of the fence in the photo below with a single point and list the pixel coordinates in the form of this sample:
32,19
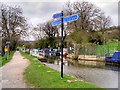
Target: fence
97,50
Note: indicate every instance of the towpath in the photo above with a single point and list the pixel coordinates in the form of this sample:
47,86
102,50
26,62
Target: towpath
12,72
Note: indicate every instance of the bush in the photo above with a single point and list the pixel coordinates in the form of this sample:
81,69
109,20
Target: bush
3,60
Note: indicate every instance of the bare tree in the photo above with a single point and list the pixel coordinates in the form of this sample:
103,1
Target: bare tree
38,32
13,24
46,31
50,32
88,16
102,22
87,12
69,10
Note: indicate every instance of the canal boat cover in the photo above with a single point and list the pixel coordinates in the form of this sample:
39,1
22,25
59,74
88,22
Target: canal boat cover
114,58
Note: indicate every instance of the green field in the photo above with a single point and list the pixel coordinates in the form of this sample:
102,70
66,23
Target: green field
5,59
40,76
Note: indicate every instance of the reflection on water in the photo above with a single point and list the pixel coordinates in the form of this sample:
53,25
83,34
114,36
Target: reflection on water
79,64
106,76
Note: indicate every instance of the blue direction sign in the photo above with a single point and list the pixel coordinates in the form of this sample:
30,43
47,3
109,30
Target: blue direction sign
71,18
57,22
57,15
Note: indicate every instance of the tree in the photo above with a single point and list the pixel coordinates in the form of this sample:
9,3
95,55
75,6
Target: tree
38,32
89,15
102,23
69,10
48,32
13,25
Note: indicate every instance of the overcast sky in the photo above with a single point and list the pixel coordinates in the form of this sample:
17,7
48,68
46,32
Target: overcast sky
42,10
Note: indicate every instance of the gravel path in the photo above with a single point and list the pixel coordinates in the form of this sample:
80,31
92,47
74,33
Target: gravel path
12,72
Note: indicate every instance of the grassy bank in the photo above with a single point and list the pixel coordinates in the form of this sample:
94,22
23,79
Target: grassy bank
3,59
41,76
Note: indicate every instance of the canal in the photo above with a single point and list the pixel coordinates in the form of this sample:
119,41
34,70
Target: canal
106,77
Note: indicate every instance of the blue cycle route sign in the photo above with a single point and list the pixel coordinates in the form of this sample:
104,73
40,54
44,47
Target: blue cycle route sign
57,15
71,18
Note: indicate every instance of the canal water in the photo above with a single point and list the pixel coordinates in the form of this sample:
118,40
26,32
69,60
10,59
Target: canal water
106,77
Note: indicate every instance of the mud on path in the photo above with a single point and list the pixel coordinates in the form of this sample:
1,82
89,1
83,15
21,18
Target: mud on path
12,72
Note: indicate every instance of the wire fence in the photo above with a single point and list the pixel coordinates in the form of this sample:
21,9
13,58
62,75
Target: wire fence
97,50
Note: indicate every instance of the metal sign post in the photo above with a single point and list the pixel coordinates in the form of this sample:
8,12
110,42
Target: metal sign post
62,28
6,52
61,20
8,46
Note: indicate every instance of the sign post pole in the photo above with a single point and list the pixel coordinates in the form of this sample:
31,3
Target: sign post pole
61,22
62,28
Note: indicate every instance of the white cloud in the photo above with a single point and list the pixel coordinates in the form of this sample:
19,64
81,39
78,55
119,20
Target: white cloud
35,0
110,7
39,11
42,10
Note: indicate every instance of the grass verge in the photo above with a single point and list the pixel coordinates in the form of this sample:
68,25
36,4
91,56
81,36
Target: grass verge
41,76
3,60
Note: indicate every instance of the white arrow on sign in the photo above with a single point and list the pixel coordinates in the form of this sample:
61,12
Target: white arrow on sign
71,18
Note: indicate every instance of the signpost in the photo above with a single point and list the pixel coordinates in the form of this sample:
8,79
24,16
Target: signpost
6,49
57,15
6,52
71,18
61,20
62,28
